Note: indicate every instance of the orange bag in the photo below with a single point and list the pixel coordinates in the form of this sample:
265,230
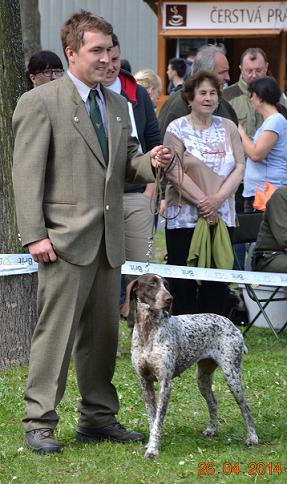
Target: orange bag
262,195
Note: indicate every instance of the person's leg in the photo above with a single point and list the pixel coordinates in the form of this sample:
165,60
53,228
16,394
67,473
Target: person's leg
275,263
212,297
183,291
139,228
95,354
96,346
248,205
239,260
62,289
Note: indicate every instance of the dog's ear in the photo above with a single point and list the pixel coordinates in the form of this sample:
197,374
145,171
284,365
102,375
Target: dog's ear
165,283
125,309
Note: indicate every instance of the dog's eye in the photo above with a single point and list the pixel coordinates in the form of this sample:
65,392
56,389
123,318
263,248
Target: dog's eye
153,283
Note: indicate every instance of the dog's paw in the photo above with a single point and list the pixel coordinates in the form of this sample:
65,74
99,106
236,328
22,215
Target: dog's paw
252,440
209,432
151,452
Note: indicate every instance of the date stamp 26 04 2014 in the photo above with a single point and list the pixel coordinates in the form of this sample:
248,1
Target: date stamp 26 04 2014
252,469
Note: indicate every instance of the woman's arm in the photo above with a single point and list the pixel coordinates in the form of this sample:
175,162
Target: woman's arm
211,203
175,174
259,150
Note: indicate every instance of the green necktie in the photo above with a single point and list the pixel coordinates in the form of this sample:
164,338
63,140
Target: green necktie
96,118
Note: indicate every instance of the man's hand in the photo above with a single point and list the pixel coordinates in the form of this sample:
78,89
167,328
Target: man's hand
42,251
160,156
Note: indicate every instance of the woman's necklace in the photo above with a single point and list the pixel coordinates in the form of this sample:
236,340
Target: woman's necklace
215,145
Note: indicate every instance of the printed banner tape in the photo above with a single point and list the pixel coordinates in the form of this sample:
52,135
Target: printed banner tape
13,264
197,273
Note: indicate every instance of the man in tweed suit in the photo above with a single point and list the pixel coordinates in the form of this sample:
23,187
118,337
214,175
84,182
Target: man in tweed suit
69,202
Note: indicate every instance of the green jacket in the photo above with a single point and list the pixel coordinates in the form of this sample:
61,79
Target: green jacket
238,96
210,251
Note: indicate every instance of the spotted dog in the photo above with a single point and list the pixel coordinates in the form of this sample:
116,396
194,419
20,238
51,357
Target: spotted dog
164,346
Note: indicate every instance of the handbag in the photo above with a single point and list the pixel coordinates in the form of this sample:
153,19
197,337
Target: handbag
262,195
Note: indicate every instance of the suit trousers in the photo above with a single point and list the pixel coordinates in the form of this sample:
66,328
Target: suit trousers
77,309
139,224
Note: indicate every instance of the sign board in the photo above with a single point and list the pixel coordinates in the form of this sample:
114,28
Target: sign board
233,15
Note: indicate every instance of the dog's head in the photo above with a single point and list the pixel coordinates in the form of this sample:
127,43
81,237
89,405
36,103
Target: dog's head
149,289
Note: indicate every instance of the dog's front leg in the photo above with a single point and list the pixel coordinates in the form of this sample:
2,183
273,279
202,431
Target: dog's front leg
148,394
162,402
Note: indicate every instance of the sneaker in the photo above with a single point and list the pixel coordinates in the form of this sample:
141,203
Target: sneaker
42,441
114,433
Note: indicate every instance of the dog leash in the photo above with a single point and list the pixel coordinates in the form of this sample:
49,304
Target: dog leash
155,208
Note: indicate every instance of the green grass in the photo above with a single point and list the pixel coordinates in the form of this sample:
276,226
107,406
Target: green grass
183,448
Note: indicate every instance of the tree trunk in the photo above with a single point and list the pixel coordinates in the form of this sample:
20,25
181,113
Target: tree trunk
17,293
30,20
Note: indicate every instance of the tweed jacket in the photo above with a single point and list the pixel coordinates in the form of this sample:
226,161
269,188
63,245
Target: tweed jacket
63,189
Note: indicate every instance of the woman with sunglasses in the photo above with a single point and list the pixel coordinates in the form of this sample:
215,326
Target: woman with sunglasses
267,152
44,66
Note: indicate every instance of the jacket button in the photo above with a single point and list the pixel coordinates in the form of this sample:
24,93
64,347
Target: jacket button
107,207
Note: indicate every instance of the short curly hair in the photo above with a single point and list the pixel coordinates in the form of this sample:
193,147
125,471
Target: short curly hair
193,82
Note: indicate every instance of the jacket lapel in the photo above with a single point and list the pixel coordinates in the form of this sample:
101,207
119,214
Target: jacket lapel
82,122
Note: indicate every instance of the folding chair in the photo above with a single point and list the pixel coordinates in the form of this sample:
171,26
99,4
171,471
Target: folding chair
247,233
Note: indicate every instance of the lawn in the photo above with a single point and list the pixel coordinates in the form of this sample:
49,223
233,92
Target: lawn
185,453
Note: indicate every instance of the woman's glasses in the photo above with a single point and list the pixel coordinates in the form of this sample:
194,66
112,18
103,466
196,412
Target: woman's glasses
52,72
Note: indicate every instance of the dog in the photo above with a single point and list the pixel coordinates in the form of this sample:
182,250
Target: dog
163,346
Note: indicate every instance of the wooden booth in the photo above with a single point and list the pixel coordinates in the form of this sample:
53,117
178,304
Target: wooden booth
187,25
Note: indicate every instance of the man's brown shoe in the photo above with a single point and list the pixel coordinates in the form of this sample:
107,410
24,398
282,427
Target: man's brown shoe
114,433
42,441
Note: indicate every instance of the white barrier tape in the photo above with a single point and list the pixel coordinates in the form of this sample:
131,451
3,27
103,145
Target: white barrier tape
13,264
220,275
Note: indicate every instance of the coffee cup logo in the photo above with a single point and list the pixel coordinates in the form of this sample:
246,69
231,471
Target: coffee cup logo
176,15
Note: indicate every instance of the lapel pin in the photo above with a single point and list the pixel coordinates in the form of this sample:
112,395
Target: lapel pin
119,118
76,119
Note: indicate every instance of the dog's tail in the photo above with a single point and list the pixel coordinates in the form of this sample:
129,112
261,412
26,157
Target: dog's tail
245,349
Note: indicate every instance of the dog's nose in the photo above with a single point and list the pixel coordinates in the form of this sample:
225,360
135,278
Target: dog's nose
168,299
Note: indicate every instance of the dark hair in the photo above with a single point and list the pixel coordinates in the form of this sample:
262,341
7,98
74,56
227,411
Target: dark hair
73,30
268,90
126,65
253,52
115,41
179,65
191,52
41,60
193,82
